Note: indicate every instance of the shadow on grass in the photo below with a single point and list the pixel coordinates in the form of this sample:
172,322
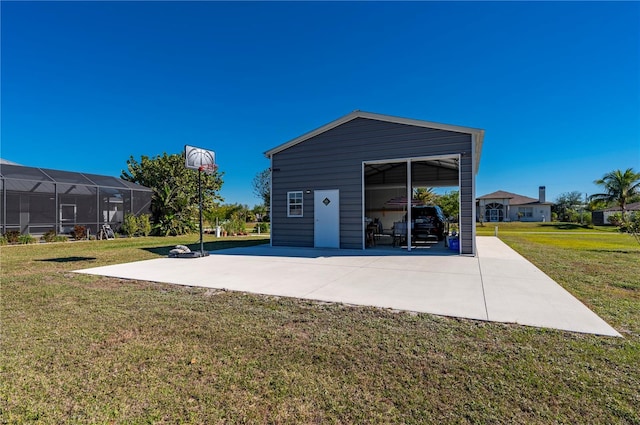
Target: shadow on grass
567,226
615,251
209,246
67,259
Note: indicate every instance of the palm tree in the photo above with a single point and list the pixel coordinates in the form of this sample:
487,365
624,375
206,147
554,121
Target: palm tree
426,195
620,188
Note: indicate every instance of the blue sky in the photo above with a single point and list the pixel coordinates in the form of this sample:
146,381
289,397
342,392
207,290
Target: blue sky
555,86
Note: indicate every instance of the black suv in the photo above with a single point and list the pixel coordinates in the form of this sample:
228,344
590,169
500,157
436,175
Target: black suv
427,220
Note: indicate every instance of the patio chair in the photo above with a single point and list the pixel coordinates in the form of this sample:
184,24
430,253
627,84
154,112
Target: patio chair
399,232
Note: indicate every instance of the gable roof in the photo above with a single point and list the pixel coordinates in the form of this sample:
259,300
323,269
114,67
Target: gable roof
7,162
479,133
514,198
629,207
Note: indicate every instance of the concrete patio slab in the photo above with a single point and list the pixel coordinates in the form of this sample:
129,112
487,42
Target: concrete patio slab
497,285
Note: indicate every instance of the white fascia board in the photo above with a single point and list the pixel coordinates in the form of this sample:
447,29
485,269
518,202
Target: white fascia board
479,138
413,158
418,123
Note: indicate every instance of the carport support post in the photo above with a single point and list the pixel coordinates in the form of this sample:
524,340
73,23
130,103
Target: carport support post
409,203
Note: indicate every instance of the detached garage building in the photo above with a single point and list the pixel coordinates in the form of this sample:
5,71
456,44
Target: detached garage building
325,183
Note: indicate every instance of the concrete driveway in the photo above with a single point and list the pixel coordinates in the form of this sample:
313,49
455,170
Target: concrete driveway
498,285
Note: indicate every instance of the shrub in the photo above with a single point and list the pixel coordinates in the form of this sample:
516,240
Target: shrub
3,240
130,225
627,224
12,236
174,225
236,225
264,228
79,232
27,239
616,219
50,236
144,224
586,218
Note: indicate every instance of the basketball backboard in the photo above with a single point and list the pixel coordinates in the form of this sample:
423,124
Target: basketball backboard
195,158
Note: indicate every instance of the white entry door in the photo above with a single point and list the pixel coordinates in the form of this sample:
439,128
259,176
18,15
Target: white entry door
326,212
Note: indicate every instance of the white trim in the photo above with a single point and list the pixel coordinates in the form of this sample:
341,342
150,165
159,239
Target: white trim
409,204
362,194
289,215
409,185
478,133
475,164
460,210
270,201
413,158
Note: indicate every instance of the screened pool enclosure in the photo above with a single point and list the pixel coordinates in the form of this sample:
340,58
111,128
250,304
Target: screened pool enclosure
37,200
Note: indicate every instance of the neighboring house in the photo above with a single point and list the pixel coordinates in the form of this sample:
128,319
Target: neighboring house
507,206
601,217
324,184
37,200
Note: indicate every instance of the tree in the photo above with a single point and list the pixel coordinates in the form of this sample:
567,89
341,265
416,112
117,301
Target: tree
262,186
174,203
566,205
231,217
450,203
259,212
426,195
620,188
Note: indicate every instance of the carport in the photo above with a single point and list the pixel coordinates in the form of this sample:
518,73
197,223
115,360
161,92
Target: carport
330,183
395,180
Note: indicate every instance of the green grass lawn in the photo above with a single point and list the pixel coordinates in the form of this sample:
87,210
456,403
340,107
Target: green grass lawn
90,349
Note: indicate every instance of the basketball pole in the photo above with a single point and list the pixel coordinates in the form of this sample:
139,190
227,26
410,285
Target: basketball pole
200,205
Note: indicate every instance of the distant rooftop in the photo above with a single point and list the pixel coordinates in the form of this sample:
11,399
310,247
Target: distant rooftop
514,198
629,207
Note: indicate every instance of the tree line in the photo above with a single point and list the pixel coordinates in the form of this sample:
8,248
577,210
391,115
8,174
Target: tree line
175,197
620,188
174,203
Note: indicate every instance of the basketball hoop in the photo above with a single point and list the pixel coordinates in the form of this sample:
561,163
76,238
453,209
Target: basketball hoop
208,168
204,161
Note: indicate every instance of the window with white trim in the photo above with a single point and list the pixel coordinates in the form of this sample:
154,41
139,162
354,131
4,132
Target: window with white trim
294,204
527,212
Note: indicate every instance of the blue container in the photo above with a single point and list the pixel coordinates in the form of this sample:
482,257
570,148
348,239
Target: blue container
454,244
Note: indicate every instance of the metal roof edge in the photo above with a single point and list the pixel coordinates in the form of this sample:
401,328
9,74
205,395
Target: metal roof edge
125,183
